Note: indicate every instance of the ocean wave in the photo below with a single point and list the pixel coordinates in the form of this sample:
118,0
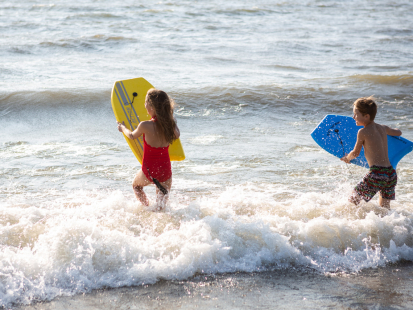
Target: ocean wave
103,15
65,98
87,42
24,50
244,11
92,240
158,11
402,80
335,95
36,7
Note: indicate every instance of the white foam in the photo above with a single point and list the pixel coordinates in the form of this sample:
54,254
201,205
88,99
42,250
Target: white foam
94,239
205,140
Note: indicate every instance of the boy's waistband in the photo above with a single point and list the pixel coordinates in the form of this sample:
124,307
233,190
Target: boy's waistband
380,168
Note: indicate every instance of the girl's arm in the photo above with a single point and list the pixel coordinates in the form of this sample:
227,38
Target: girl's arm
141,129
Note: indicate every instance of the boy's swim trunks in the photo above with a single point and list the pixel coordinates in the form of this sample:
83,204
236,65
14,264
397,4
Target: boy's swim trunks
383,179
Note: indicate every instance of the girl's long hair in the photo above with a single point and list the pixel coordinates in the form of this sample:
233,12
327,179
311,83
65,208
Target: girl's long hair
164,109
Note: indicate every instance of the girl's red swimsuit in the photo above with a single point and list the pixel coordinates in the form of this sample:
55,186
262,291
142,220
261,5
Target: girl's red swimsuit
157,161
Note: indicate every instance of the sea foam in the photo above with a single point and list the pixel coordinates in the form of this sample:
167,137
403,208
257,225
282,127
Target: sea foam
102,239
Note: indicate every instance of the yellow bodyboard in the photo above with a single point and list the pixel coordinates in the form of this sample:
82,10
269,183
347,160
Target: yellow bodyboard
131,110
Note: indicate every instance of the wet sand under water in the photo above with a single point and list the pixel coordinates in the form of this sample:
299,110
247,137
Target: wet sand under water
390,287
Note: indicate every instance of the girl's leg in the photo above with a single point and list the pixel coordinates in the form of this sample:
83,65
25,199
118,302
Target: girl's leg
162,199
138,183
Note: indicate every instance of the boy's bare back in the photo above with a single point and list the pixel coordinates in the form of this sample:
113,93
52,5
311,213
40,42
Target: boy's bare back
374,140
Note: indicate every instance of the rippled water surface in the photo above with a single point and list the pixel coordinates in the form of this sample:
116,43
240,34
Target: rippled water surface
252,80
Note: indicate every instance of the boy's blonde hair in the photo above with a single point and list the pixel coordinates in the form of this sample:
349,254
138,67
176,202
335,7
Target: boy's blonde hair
164,109
366,105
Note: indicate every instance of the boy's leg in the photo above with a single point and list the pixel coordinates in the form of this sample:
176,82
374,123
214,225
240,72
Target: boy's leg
365,189
384,203
138,183
386,195
388,191
355,198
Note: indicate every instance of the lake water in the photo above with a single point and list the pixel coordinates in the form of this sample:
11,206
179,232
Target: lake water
254,194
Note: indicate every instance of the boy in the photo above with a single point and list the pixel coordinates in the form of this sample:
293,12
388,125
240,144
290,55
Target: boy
381,177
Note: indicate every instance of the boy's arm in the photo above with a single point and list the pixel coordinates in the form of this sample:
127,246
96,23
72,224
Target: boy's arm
392,132
357,148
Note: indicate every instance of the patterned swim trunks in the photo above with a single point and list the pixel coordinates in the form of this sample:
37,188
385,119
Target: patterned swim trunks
383,179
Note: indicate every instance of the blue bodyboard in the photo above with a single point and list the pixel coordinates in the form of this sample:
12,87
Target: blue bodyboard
337,135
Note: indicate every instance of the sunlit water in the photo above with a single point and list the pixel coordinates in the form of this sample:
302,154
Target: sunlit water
254,193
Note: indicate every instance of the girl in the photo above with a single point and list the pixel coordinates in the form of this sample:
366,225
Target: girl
158,134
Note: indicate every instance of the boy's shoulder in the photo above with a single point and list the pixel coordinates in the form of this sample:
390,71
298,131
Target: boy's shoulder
380,127
373,130
362,131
